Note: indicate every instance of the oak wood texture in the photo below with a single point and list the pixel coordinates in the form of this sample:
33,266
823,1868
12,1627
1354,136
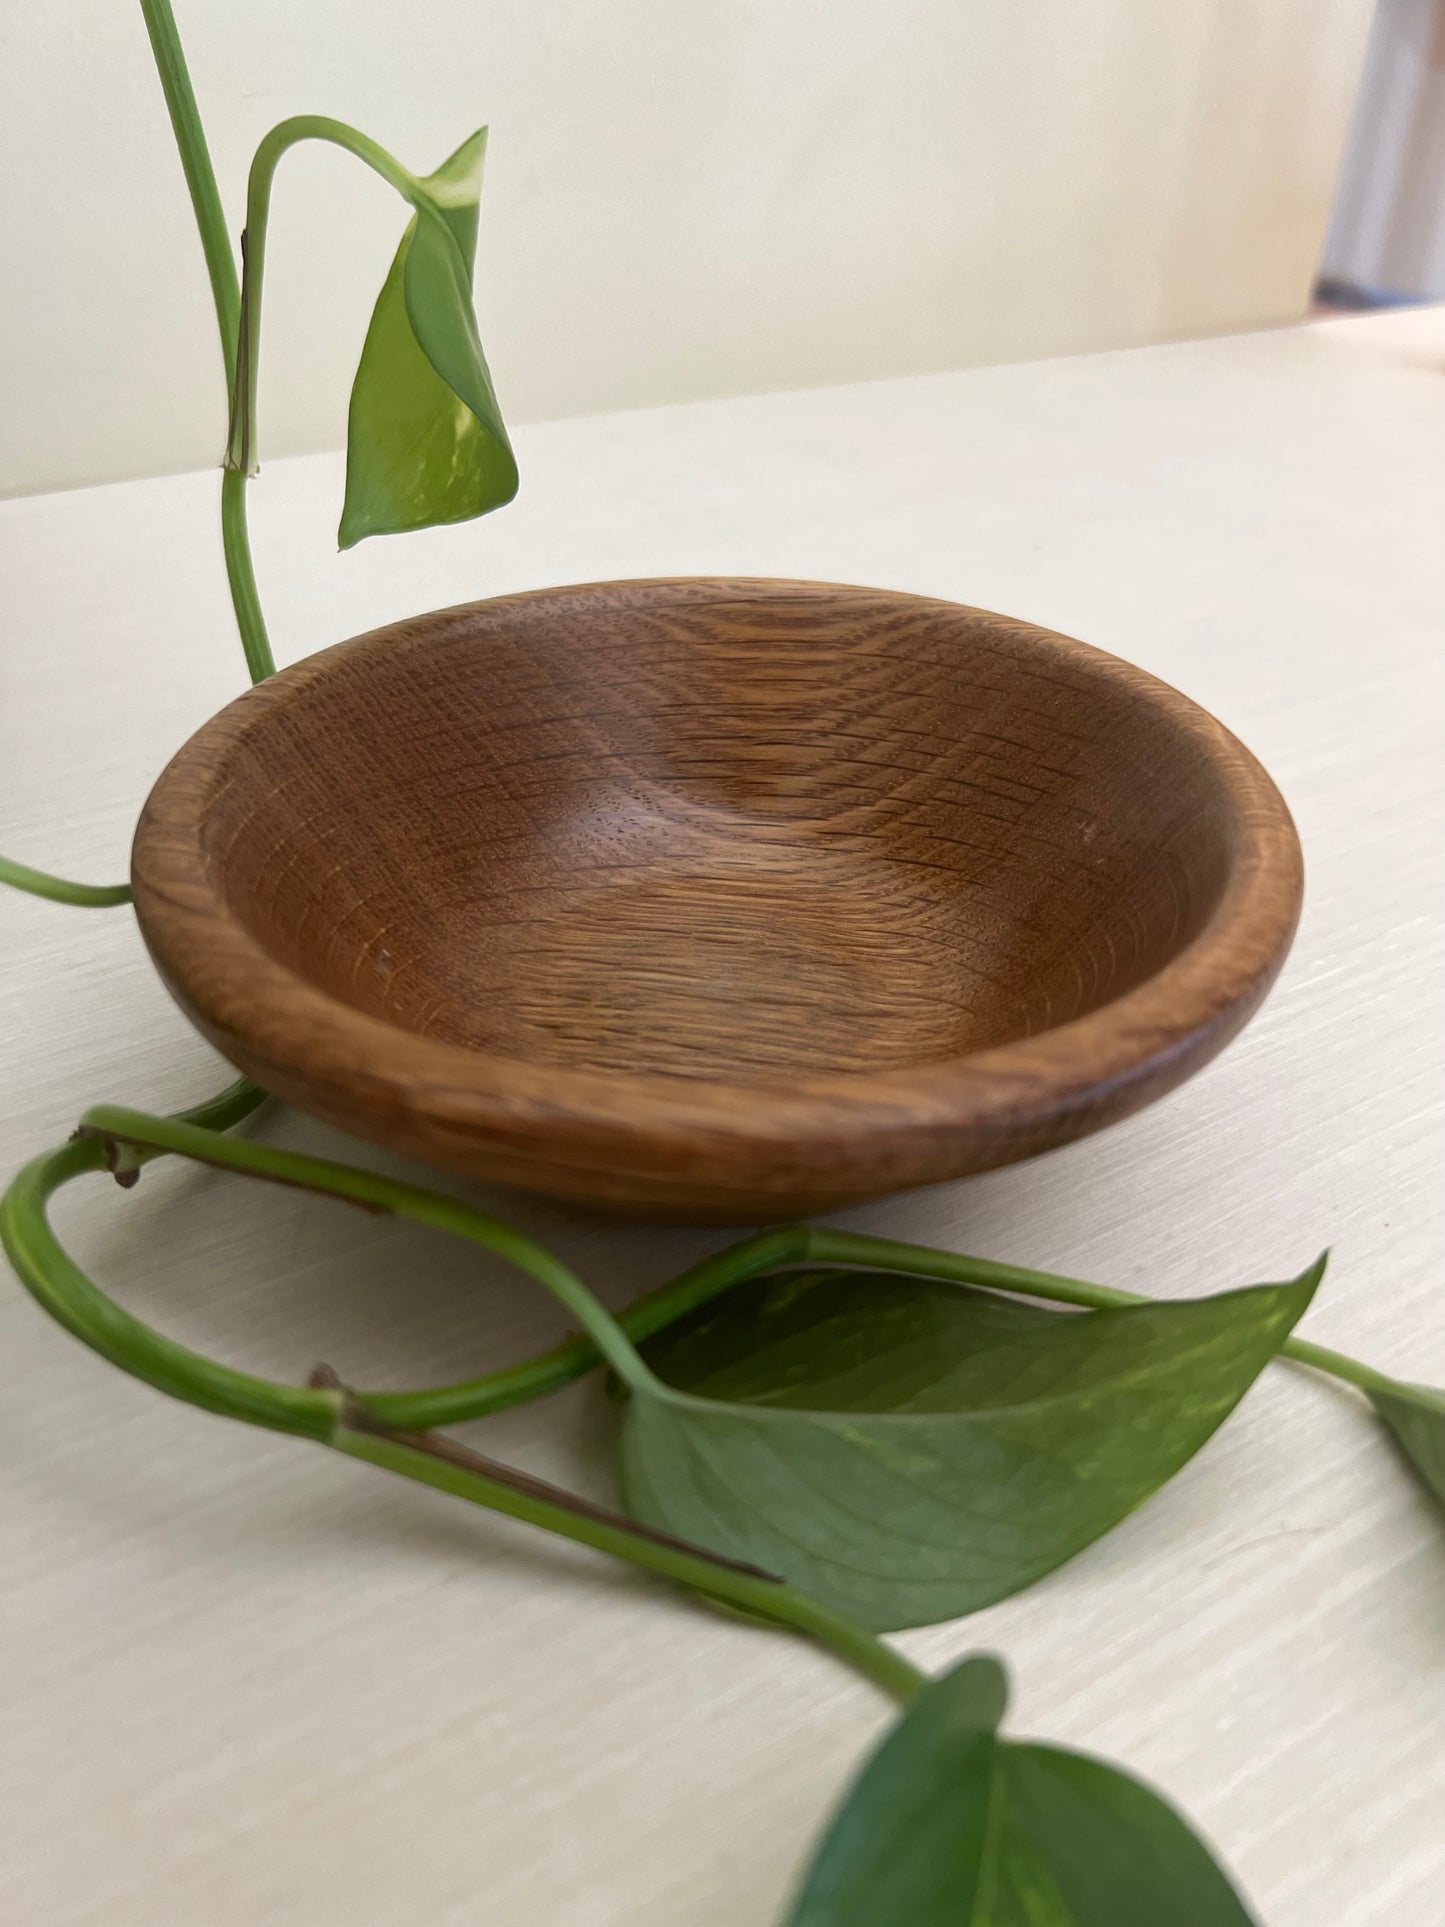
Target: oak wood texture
714,898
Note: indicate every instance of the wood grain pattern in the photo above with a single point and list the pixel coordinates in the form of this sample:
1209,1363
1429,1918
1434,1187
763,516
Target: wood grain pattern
716,898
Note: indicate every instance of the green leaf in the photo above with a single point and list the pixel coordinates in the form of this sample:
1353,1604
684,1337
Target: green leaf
908,1451
425,437
1416,1415
949,1825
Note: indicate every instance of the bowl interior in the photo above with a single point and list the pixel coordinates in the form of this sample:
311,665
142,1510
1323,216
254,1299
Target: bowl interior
736,830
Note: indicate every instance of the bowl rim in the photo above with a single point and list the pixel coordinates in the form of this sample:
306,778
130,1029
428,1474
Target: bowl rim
293,1036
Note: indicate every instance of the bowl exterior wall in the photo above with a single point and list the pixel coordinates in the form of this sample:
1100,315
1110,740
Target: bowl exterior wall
750,1150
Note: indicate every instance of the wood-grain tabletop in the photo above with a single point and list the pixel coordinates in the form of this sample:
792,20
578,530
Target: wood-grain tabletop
248,1682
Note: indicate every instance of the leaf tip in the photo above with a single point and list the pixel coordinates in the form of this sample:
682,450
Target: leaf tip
979,1690
459,178
1308,1281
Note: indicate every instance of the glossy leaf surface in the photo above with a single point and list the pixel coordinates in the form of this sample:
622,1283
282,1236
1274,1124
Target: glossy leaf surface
909,1451
425,438
950,1825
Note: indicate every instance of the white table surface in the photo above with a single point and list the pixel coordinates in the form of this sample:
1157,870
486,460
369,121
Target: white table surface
247,1682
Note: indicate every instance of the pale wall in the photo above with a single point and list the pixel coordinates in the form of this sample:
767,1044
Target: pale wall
685,197
1388,231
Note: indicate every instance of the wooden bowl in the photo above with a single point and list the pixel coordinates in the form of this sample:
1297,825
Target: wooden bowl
716,899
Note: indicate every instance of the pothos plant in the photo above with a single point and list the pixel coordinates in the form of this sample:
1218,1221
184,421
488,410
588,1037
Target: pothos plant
831,1434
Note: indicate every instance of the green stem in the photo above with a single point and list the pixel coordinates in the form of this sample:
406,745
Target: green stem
445,1467
226,295
227,1108
240,448
576,1357
376,1193
922,1261
39,883
853,1248
69,1296
1354,1371
200,175
784,1248
324,1411
241,575
377,1426
62,1288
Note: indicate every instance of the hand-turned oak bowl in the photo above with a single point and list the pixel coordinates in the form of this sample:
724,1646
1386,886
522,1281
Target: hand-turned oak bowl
716,899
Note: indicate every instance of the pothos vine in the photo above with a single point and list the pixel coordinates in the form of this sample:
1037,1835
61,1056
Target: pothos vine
948,1822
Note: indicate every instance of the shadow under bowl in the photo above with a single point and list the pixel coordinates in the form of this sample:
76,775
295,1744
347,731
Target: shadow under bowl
716,899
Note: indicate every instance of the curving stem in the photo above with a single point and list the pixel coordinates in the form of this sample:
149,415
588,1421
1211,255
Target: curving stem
240,445
226,294
40,883
786,1248
326,1411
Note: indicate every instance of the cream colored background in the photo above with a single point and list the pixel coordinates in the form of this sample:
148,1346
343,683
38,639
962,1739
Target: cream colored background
686,197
